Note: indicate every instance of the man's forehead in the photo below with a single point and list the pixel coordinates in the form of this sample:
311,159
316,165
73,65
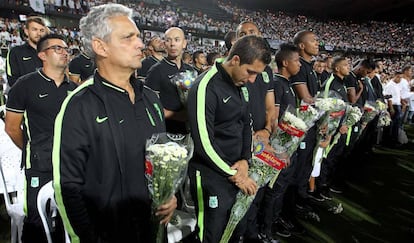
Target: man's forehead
174,33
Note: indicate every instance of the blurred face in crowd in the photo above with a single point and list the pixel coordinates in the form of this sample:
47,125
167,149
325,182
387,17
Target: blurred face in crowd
380,65
201,59
310,44
372,74
241,74
157,45
55,55
124,48
293,64
408,74
319,66
34,32
247,29
364,71
175,42
342,68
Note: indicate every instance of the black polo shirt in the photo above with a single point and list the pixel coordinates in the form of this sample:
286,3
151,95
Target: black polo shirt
159,79
284,94
199,70
351,81
257,93
147,63
306,75
338,85
21,60
82,65
37,96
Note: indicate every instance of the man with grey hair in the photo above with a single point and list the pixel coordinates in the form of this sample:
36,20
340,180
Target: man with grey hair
101,132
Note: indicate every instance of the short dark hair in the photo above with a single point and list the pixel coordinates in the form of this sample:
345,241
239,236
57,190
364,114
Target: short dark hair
196,54
242,23
228,38
211,57
36,19
250,48
43,42
300,36
367,63
284,53
337,60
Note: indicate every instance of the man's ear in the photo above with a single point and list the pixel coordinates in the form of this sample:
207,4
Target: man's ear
285,63
235,60
42,55
301,46
99,47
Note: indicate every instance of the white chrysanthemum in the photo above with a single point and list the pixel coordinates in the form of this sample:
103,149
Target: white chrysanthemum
295,121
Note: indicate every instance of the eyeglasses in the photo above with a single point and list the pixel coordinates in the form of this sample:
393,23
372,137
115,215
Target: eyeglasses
59,49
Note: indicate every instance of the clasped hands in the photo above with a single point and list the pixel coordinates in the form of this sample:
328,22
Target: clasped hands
241,179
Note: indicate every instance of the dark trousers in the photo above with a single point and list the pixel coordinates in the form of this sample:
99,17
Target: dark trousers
214,196
33,228
330,163
304,162
273,196
396,123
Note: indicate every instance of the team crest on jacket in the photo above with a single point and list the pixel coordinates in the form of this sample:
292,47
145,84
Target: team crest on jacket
245,93
265,77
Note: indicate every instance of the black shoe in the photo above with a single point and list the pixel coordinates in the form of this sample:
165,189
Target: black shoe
315,196
280,229
336,189
325,193
293,225
266,238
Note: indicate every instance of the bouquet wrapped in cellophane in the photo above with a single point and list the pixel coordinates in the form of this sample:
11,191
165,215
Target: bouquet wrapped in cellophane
183,82
370,112
290,131
334,108
352,116
167,157
384,118
263,167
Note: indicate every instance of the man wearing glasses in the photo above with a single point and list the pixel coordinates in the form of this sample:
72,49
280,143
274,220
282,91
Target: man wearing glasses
34,101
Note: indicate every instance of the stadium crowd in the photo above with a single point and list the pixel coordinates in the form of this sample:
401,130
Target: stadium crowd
313,57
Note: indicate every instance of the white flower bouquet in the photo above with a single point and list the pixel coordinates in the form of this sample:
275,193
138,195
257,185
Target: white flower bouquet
263,167
370,112
184,81
288,134
309,114
167,157
352,116
384,118
334,108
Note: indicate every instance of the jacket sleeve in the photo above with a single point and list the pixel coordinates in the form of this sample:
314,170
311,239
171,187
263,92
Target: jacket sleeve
12,67
70,149
202,104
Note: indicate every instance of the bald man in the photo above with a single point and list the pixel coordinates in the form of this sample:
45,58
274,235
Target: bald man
159,79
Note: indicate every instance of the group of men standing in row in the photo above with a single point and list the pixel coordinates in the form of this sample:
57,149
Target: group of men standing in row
90,139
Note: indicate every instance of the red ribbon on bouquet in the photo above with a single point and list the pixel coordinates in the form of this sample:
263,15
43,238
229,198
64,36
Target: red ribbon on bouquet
271,160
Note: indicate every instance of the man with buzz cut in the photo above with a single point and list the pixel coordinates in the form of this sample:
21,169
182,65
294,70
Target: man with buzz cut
218,110
34,101
159,79
23,59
